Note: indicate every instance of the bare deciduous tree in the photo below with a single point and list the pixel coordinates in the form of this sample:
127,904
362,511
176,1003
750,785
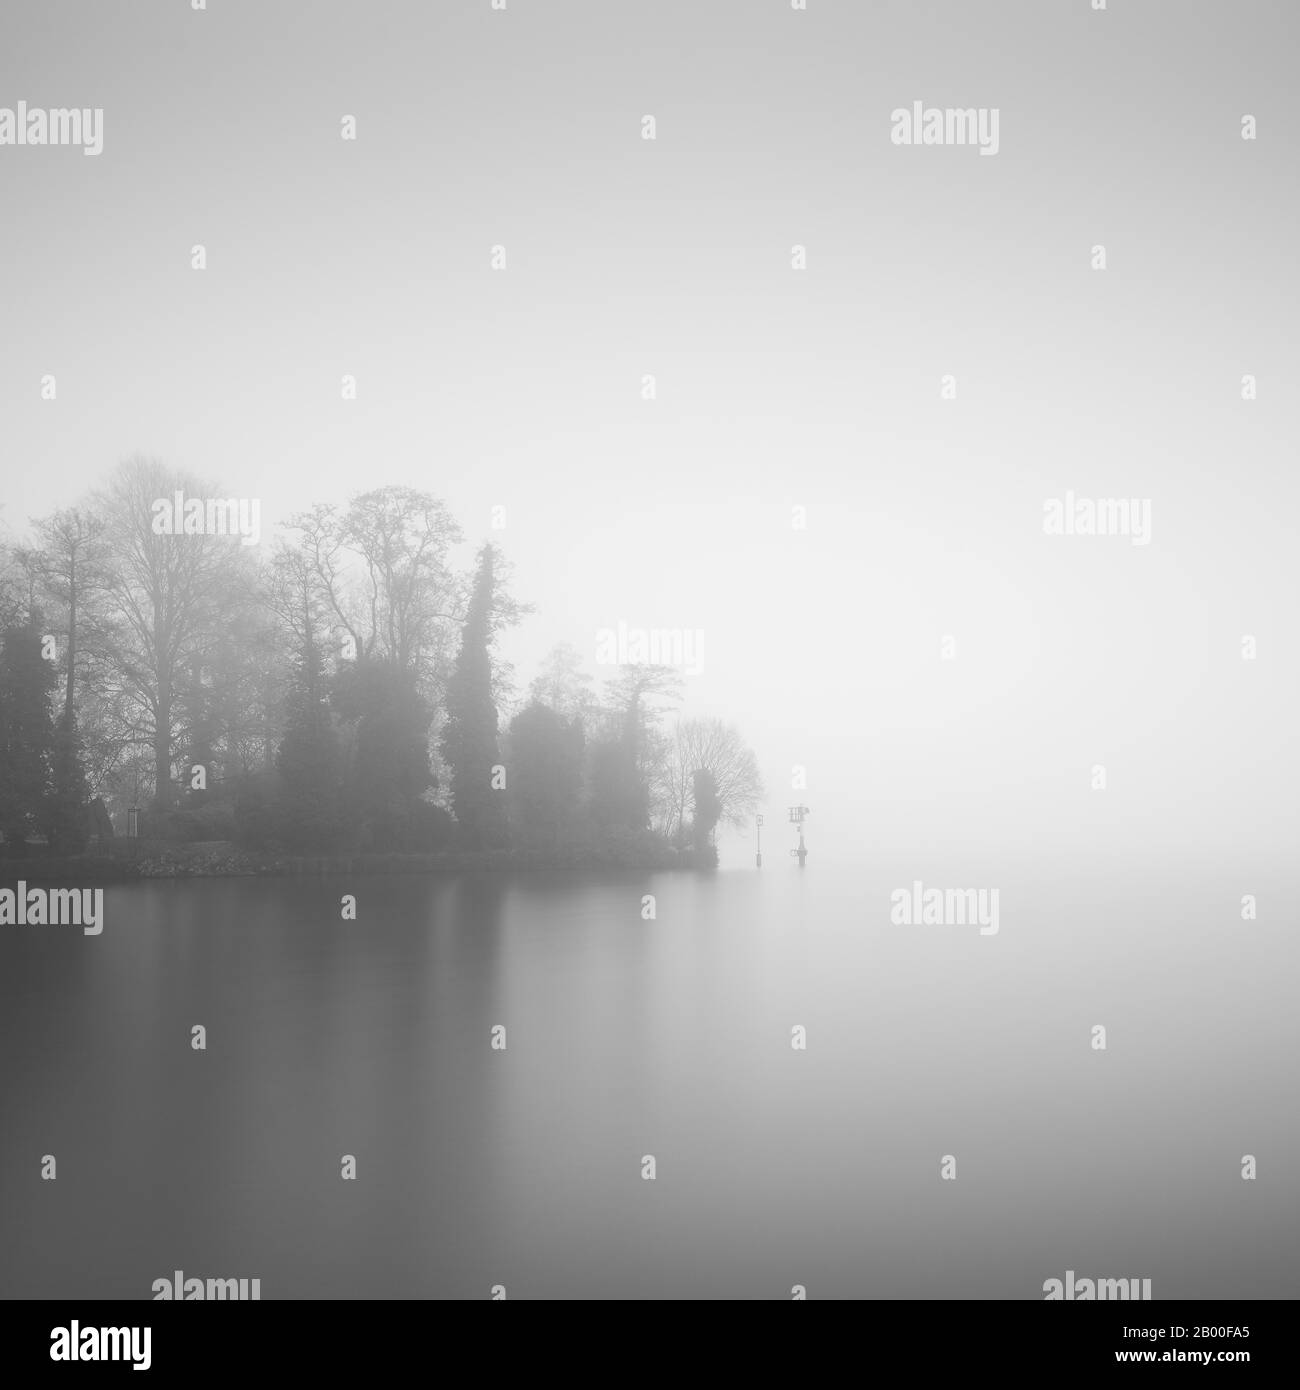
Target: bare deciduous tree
168,600
715,747
381,569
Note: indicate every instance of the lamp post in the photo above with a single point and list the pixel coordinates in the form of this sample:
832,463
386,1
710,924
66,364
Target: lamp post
758,830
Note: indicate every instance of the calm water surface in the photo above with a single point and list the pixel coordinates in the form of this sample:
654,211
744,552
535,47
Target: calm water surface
669,1038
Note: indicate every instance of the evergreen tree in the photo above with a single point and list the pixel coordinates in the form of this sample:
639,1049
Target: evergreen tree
65,818
469,737
309,752
388,764
309,809
708,808
27,682
620,796
545,783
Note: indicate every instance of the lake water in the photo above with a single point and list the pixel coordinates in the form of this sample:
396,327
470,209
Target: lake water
669,1037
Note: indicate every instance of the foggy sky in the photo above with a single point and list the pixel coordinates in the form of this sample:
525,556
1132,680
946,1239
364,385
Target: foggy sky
819,388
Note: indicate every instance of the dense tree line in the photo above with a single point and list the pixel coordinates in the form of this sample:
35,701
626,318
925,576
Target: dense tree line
340,692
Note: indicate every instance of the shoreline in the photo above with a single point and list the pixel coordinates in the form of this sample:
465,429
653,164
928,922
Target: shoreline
224,859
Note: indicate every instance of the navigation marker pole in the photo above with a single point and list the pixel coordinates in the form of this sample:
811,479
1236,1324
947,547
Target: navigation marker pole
797,814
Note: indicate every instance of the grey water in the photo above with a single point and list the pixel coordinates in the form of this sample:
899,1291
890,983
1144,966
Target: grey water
628,1037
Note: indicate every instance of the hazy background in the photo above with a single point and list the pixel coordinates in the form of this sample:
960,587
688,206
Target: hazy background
775,388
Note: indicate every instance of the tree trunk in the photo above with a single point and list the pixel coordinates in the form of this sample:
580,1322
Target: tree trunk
72,640
162,745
